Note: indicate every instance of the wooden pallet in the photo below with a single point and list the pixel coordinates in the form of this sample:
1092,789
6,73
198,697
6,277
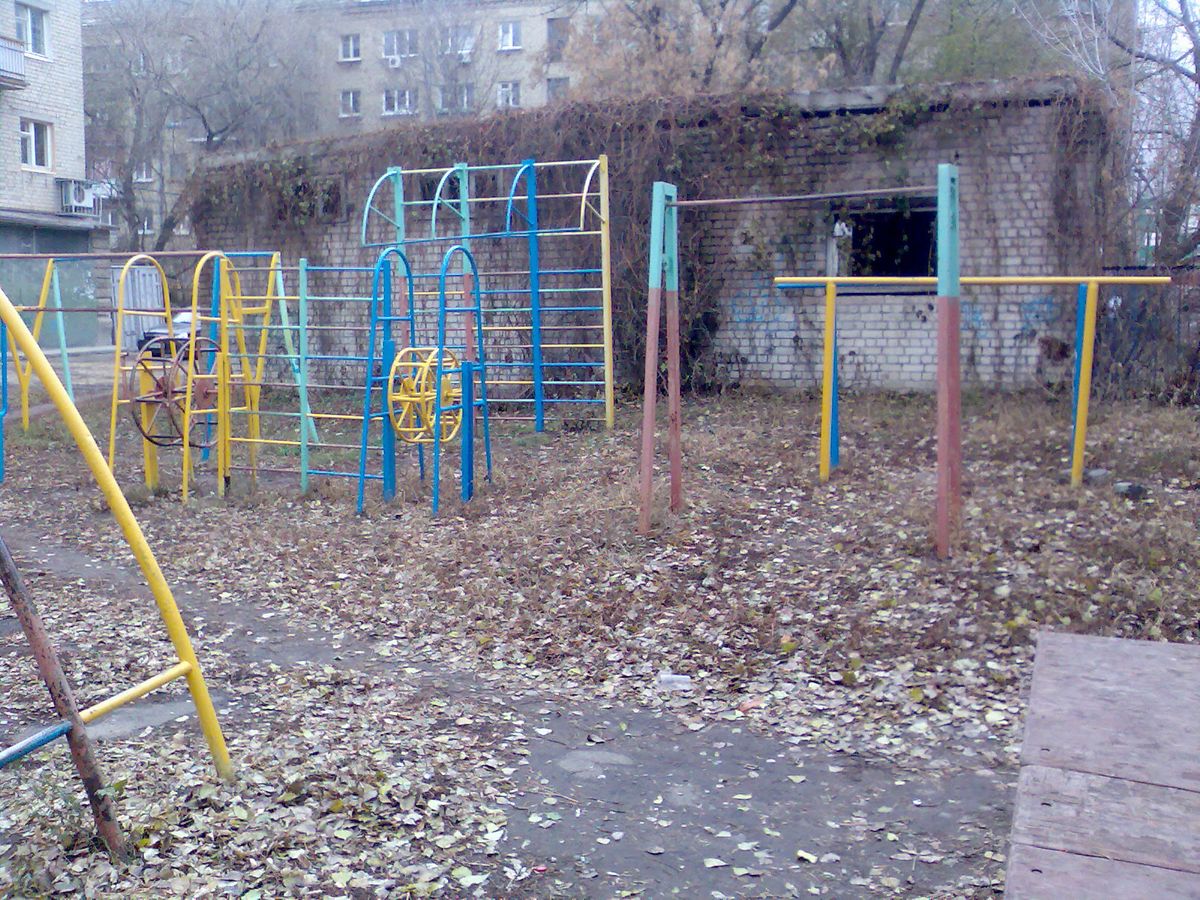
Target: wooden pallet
1108,800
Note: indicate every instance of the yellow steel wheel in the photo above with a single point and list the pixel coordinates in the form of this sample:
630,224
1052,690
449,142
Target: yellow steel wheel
411,395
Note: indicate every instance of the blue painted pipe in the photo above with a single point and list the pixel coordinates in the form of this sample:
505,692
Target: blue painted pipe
33,742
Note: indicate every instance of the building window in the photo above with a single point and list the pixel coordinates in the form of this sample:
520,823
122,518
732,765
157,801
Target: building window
31,28
888,238
557,88
508,93
36,149
557,32
350,51
399,102
458,39
456,98
510,36
349,105
143,173
146,222
400,43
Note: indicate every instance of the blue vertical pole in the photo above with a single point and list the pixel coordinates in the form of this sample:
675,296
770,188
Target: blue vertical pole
305,410
1080,321
388,355
535,297
467,438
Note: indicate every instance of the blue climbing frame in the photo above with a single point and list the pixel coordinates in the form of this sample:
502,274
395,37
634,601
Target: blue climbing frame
548,321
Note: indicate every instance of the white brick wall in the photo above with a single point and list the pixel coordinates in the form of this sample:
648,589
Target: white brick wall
54,95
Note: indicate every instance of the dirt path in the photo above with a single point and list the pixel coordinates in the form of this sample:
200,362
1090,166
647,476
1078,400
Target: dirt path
613,798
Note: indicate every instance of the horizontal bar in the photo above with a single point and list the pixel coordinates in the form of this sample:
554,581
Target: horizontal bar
545,365
33,742
930,281
266,441
930,189
92,713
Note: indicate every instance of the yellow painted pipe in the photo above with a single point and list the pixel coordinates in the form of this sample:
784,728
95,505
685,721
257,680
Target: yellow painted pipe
167,609
92,713
922,281
827,363
606,293
1085,382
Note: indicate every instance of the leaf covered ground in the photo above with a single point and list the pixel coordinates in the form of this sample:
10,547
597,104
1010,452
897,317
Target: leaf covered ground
812,614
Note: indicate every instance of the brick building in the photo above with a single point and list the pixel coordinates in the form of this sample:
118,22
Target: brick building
1031,156
45,204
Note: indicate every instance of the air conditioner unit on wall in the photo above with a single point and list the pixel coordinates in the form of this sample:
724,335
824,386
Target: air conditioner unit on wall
78,197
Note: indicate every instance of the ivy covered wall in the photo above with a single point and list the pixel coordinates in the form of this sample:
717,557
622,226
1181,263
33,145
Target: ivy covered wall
1035,166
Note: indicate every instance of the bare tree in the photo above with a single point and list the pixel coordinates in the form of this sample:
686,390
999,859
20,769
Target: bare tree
675,46
1150,68
200,73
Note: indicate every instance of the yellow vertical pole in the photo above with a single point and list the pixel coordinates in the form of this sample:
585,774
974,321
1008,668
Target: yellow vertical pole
827,364
163,598
149,448
1085,382
606,291
25,372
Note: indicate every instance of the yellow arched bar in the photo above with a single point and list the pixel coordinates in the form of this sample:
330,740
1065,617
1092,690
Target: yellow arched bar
188,666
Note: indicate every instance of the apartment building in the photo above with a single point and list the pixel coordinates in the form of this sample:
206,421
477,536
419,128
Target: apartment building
45,203
378,61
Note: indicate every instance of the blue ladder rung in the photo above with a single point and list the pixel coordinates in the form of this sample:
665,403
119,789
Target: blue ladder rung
33,742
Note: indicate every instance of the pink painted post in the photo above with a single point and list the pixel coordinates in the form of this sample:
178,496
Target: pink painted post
649,401
469,318
674,411
949,426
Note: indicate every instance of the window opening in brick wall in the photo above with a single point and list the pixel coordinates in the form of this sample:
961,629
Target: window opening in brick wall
887,238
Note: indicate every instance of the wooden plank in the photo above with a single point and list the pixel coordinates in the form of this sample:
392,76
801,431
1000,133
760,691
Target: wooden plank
1128,709
1108,817
1035,873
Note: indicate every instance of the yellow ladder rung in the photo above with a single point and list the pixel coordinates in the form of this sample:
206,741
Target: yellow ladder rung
179,670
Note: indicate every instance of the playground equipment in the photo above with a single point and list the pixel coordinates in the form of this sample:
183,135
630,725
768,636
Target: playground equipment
664,266
1088,288
253,373
70,724
546,313
428,394
187,666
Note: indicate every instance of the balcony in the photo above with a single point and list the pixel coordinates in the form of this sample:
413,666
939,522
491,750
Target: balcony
12,65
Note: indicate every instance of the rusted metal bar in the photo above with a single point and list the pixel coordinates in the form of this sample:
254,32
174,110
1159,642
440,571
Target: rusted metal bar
103,808
812,198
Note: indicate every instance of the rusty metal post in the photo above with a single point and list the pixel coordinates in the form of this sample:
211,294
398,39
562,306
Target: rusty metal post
103,808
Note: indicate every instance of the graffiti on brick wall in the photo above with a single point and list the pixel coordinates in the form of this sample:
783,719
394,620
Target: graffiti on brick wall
1036,314
974,320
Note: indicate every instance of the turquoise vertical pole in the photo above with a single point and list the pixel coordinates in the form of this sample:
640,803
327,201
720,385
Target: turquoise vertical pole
396,174
56,294
1080,321
305,412
535,297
